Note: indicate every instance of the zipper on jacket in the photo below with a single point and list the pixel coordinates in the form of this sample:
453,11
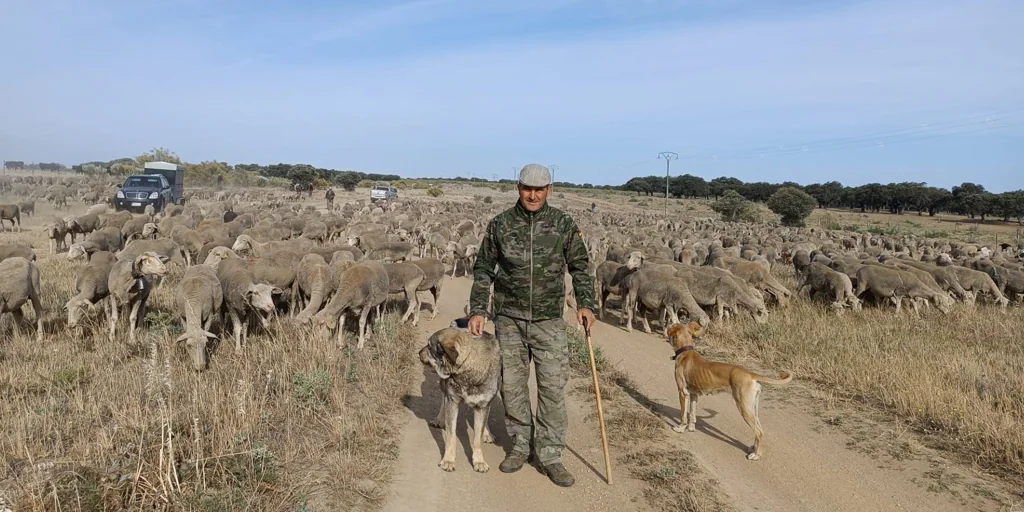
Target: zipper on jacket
531,215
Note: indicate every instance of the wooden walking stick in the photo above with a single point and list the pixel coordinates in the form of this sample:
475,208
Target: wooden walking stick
600,410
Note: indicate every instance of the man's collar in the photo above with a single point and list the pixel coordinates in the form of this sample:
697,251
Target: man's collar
679,351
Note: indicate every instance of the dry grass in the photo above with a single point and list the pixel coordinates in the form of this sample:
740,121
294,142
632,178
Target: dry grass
674,480
292,424
956,379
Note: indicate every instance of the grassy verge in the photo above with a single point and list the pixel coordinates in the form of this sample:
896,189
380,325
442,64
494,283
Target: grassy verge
639,439
956,379
291,424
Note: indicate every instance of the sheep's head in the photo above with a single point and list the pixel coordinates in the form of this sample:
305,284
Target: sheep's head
342,256
261,297
51,230
76,251
353,240
195,344
149,229
242,243
151,263
943,302
636,258
79,310
217,254
472,250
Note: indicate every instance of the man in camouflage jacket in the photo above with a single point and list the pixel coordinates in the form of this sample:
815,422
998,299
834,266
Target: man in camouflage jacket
524,255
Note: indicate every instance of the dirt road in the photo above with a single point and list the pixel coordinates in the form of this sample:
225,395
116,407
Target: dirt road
806,467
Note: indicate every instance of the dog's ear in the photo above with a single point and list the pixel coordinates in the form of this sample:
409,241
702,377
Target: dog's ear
696,329
452,348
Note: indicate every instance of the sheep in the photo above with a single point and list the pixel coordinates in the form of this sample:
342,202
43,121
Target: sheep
894,284
457,252
391,252
133,228
754,274
243,296
90,287
246,244
82,225
57,231
204,251
105,239
313,280
315,230
199,298
433,272
361,287
654,290
944,279
129,285
21,284
406,278
188,241
830,283
721,292
12,213
27,207
17,251
607,279
975,281
165,247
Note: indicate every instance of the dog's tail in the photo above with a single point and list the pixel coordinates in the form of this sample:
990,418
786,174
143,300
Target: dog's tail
784,378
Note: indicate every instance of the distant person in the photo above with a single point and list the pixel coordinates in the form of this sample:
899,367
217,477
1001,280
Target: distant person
220,182
330,199
593,207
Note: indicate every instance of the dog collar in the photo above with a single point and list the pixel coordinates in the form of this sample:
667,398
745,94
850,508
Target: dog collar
679,351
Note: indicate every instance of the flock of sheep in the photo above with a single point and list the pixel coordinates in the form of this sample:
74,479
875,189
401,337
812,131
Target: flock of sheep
254,256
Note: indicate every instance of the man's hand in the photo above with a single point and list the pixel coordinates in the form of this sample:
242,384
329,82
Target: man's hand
476,325
585,313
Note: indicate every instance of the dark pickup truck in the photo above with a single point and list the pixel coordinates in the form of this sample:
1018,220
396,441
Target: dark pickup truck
163,184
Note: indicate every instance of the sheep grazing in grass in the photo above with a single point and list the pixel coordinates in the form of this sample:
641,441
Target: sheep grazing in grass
27,208
129,283
360,288
244,296
830,284
10,212
198,300
91,288
312,285
21,284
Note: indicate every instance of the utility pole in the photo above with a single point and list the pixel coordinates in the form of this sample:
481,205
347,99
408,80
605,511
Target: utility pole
552,167
668,156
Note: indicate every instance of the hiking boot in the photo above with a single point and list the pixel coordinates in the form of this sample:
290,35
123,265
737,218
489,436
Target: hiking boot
559,475
513,462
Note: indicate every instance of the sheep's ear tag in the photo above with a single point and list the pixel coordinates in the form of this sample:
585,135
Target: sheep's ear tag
139,283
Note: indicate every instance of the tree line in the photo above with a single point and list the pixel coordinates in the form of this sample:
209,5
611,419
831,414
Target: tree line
968,199
207,172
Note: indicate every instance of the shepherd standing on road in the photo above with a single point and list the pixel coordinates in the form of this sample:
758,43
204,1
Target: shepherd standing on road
524,254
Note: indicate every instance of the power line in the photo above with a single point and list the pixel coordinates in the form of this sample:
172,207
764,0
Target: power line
668,156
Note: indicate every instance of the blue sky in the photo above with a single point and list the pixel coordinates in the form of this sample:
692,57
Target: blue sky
460,87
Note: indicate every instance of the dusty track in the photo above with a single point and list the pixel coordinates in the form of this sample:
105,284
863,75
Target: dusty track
806,467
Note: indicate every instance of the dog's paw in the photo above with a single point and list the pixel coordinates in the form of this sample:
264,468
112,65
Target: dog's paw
447,465
691,427
436,424
487,438
679,429
753,456
481,467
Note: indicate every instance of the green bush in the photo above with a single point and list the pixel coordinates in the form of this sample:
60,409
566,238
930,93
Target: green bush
792,204
733,207
435,192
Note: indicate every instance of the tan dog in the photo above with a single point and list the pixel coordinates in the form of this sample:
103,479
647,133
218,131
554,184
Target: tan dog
697,376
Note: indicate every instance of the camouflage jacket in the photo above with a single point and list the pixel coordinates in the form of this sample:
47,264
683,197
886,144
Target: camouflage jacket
525,256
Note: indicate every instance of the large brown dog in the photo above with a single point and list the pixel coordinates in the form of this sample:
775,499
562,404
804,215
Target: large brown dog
697,376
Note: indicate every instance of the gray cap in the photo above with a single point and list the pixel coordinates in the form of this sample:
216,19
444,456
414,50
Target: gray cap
535,175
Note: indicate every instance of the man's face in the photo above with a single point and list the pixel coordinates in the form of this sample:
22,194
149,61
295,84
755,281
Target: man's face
533,198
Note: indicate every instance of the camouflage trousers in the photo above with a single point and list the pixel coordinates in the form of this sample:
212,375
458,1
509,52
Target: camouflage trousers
545,343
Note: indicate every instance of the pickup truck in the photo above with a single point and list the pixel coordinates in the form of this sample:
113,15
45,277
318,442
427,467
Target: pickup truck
383,192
